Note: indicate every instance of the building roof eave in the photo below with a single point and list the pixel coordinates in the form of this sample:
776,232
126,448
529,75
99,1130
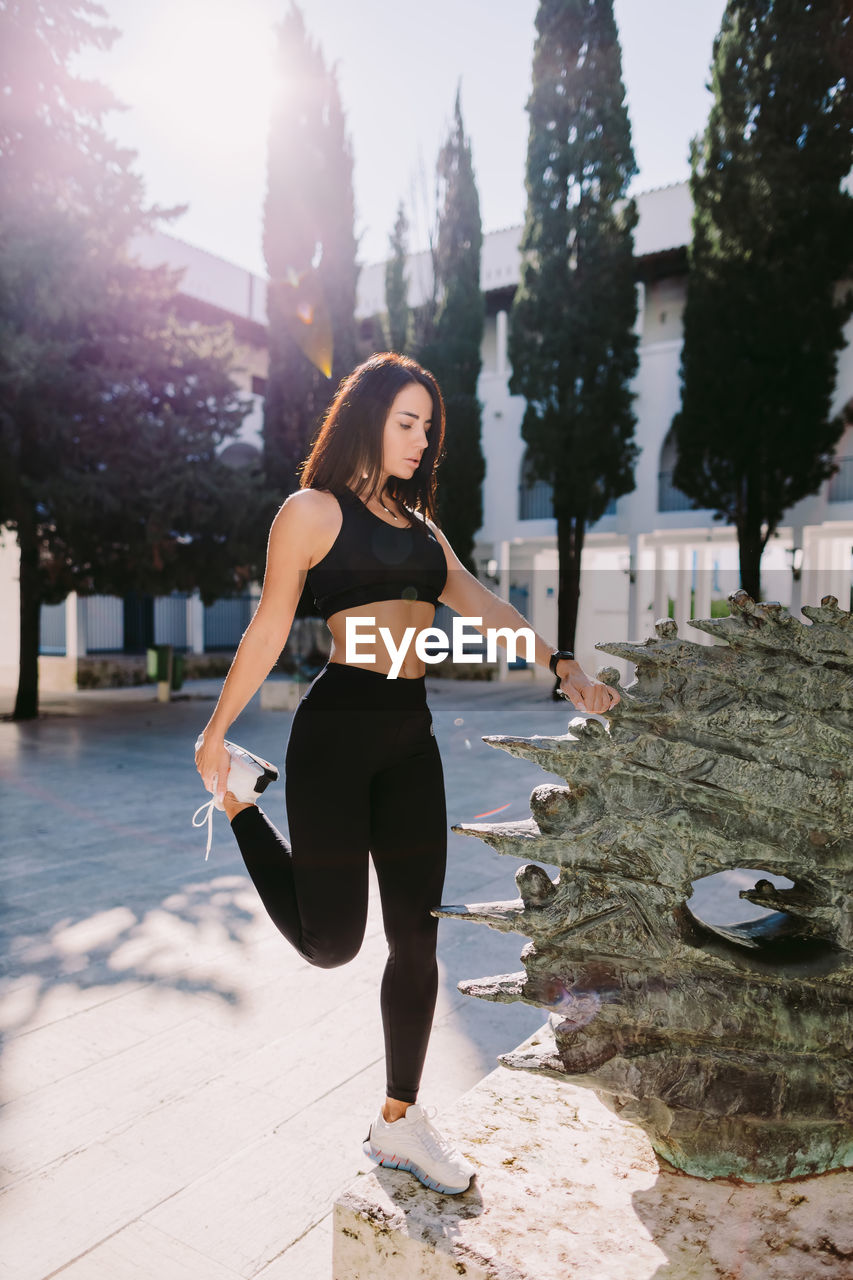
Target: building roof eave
650,267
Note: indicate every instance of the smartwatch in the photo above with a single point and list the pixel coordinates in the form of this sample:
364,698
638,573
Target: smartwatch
556,656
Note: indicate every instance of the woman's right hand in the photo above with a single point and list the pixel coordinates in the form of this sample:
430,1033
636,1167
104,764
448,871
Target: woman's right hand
213,762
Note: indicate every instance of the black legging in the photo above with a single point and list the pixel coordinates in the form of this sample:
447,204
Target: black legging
362,774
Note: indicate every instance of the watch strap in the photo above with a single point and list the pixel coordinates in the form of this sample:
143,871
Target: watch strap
556,656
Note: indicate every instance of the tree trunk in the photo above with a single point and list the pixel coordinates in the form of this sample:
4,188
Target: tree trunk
570,536
750,541
750,548
27,700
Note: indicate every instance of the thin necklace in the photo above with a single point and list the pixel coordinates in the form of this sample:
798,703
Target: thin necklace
384,508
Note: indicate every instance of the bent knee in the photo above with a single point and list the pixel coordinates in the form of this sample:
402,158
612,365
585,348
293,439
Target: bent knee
333,955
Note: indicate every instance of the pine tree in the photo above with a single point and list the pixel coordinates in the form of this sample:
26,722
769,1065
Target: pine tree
772,237
572,344
396,286
310,251
110,410
454,351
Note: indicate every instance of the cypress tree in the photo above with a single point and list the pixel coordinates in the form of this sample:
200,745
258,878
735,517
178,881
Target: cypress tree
396,287
310,250
772,237
454,351
572,344
110,410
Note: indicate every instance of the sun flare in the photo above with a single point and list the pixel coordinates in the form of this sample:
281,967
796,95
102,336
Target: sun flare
205,74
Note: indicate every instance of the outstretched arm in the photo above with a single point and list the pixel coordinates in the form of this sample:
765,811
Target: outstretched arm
467,596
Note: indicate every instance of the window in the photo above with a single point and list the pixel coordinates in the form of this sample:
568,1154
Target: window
841,484
535,497
670,498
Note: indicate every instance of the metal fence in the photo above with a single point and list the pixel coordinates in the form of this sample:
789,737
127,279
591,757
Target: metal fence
104,623
170,619
518,600
103,629
52,629
226,620
443,619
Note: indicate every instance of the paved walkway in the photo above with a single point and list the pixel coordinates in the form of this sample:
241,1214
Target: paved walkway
184,1096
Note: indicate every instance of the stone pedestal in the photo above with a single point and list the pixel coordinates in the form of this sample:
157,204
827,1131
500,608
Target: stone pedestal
565,1190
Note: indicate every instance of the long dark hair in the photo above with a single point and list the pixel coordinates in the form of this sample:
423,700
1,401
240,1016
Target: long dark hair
350,437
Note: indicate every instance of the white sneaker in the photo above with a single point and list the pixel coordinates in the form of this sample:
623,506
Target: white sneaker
413,1143
248,776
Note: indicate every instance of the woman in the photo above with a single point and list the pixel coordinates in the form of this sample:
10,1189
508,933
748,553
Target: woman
362,768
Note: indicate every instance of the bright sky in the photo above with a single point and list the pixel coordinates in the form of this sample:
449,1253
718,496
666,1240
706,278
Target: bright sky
196,76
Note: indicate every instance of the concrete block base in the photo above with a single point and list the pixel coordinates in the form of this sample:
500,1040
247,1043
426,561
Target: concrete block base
56,674
565,1190
281,695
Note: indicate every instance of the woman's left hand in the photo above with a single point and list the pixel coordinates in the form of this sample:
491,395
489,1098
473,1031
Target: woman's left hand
588,695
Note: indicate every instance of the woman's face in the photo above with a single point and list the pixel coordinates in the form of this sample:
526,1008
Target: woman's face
406,432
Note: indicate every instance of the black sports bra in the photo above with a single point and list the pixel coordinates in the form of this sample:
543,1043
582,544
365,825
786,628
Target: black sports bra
371,560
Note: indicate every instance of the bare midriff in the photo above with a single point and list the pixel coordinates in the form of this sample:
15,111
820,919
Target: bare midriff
396,616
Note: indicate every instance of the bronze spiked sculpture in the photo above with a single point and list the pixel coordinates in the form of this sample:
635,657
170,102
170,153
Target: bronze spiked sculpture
732,1046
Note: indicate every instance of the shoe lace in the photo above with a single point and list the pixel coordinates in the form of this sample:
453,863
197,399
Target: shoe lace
208,805
435,1141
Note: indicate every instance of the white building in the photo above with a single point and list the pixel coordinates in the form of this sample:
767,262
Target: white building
650,550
